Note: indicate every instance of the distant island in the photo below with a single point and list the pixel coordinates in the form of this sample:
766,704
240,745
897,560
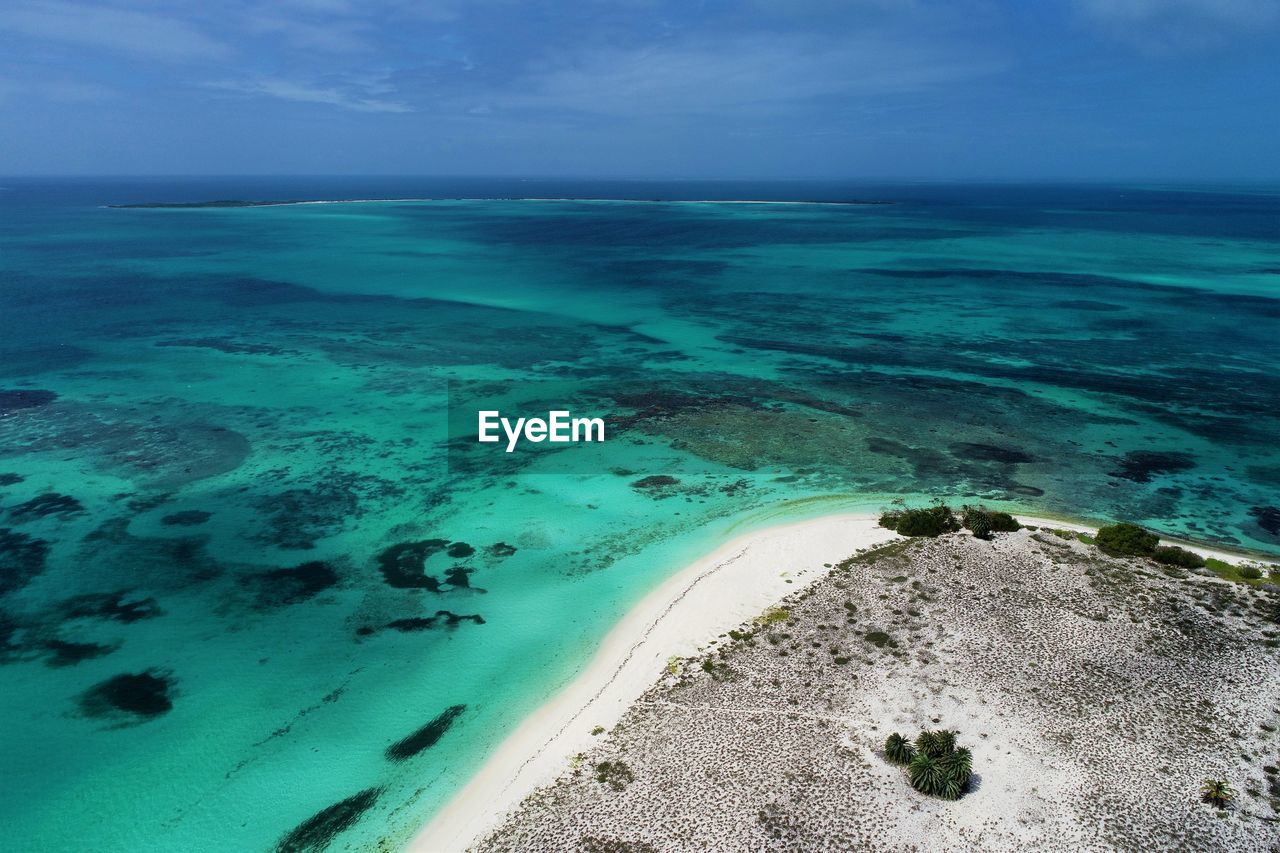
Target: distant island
219,203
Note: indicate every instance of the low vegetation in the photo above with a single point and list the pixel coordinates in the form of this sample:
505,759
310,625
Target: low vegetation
982,522
616,774
1126,540
930,521
1217,792
940,518
899,750
1172,555
935,765
773,616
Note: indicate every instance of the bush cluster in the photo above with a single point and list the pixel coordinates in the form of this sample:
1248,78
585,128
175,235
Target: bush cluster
1172,555
616,774
983,522
933,521
935,765
1126,540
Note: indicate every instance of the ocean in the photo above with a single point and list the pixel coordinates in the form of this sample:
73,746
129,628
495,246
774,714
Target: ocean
258,588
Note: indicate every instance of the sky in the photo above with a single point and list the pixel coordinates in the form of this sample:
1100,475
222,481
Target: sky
890,89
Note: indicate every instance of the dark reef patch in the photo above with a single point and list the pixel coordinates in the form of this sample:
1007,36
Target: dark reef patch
425,737
187,518
43,506
459,576
460,550
118,606
316,832
1268,518
991,453
657,481
15,400
66,653
427,623
282,587
162,563
9,479
143,695
9,627
1141,465
500,550
403,565
650,405
296,518
22,557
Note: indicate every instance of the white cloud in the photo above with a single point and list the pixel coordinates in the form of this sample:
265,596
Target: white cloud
125,31
1172,26
331,36
740,74
62,91
287,90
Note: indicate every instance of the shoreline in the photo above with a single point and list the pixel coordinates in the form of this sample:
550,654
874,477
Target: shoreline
689,610
735,582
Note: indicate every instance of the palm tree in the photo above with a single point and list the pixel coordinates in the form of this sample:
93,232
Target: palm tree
925,774
898,749
1217,792
957,767
936,744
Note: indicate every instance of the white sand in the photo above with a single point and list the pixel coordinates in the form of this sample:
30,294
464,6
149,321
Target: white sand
731,585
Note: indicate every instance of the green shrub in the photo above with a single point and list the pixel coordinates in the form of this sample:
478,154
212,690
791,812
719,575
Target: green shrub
1172,555
938,768
983,522
936,744
881,639
898,749
933,521
1217,792
1126,540
616,774
1252,573
890,518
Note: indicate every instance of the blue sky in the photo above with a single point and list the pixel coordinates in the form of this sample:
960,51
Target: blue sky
1156,89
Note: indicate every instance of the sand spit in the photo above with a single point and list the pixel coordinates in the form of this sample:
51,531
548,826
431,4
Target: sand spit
1095,693
707,598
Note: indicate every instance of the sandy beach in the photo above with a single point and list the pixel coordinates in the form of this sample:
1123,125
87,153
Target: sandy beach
681,618
734,583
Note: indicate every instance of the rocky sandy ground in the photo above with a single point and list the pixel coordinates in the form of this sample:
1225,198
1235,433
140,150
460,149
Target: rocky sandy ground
1095,693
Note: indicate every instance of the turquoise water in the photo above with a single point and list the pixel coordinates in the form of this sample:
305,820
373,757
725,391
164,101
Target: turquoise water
227,459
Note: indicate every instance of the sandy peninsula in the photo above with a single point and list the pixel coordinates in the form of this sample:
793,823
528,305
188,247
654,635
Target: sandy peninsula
692,608
1096,693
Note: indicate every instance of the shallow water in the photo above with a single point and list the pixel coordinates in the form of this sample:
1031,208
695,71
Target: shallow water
228,466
